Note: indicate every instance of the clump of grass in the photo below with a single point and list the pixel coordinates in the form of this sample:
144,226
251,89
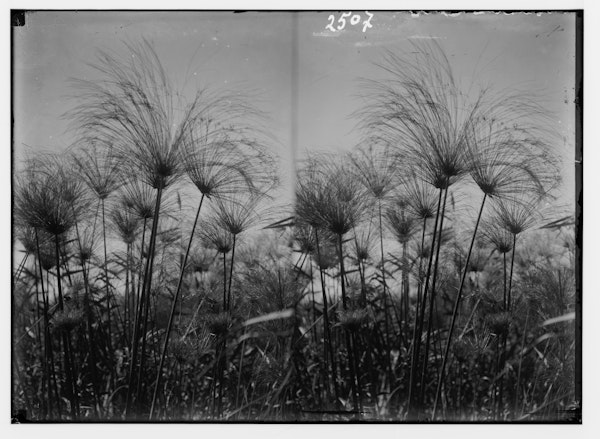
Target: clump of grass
68,319
182,351
499,323
219,323
353,320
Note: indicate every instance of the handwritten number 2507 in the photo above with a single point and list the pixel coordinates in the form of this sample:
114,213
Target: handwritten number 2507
354,20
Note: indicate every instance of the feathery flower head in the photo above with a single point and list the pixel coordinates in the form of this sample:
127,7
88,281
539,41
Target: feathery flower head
87,242
420,196
327,257
304,236
215,236
48,198
98,166
241,212
344,202
126,223
517,214
497,236
422,112
226,165
363,243
401,223
134,108
29,239
273,287
375,168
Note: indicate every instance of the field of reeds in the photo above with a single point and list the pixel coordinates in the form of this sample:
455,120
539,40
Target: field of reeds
424,275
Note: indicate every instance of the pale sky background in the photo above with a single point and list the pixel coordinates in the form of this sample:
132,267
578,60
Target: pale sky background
253,51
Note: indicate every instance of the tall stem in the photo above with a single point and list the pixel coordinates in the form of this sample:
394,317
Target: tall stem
224,281
127,299
138,306
405,287
146,287
327,345
108,312
505,335
516,404
170,324
432,299
71,386
512,264
231,274
140,274
415,326
91,342
385,305
349,346
314,307
421,319
456,307
146,315
20,268
504,296
49,363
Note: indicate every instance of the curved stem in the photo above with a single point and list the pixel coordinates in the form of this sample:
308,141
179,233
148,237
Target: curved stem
173,306
418,307
231,273
421,319
312,291
432,299
224,282
512,263
138,306
504,301
327,345
49,364
385,304
20,267
146,287
71,385
505,335
516,404
405,283
349,346
455,310
107,286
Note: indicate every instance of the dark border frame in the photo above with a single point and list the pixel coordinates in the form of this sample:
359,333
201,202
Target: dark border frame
18,18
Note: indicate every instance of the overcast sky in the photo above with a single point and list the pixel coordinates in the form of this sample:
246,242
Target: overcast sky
254,51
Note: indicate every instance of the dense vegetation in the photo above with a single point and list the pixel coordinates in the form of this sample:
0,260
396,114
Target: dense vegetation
420,276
